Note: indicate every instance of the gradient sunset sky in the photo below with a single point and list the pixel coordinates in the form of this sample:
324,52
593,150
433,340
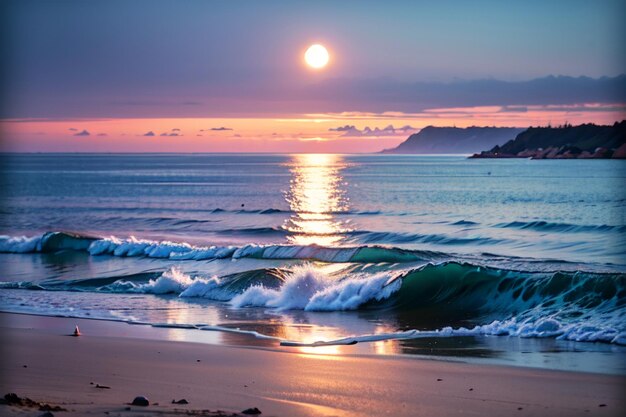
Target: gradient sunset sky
229,76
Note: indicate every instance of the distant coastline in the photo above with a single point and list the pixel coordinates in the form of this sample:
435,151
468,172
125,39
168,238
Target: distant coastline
449,140
586,141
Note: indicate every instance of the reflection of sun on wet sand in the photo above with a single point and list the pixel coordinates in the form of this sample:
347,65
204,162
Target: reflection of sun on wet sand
315,196
45,365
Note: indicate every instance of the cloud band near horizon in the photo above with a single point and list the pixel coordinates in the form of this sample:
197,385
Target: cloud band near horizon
335,95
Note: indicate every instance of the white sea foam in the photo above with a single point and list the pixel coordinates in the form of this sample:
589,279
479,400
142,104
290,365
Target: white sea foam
306,288
351,293
541,328
206,288
176,282
104,246
19,244
132,246
238,331
172,281
199,254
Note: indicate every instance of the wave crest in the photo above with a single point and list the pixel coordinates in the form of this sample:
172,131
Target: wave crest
133,247
306,288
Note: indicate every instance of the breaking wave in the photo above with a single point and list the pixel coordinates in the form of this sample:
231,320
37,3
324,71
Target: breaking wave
132,247
578,306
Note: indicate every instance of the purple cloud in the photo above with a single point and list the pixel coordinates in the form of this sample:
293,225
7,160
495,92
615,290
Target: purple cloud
353,131
346,128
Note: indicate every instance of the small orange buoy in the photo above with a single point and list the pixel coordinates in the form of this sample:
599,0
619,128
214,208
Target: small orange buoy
77,331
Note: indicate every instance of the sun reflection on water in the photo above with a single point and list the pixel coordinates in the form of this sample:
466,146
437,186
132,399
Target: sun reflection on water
316,195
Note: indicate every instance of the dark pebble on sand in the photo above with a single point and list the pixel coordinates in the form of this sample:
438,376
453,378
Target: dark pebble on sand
25,366
439,379
251,411
140,401
601,405
183,401
471,389
519,408
197,360
12,399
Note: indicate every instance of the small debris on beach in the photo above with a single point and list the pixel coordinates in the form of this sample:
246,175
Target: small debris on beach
601,405
141,401
48,407
76,332
471,389
182,401
439,379
16,400
102,386
251,411
519,408
24,366
13,399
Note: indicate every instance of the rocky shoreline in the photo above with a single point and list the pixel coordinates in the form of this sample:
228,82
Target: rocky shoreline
587,141
557,152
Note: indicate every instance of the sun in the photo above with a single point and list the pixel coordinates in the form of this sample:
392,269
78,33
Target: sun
316,56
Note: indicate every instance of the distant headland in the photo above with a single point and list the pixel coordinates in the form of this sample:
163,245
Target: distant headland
586,141
440,140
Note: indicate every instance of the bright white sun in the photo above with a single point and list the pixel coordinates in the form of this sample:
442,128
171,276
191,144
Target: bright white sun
316,56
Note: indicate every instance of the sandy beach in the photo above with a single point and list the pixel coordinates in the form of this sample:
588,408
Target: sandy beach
42,362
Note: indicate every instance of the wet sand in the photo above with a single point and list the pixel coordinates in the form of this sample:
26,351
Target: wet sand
40,361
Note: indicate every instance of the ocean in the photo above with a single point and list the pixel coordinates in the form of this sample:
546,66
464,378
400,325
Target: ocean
499,260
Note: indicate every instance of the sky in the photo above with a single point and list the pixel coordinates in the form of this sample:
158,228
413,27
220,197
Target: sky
227,76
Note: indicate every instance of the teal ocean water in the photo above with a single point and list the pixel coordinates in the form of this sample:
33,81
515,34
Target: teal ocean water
429,255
